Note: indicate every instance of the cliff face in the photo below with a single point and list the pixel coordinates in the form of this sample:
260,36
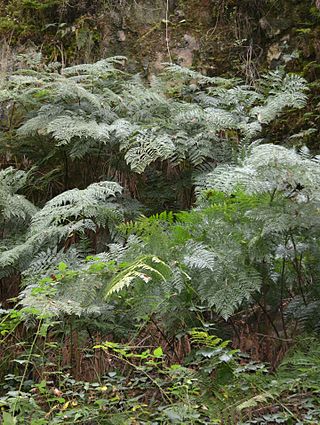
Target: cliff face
239,38
220,36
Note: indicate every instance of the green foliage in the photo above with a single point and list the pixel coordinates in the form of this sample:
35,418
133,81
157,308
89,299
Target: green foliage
215,385
246,251
232,246
131,126
241,241
16,213
70,214
178,390
80,292
144,269
15,209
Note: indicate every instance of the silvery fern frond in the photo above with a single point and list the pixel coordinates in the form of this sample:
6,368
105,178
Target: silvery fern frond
68,127
15,209
76,204
268,167
287,91
70,213
146,147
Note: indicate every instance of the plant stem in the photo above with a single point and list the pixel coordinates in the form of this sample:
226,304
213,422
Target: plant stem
27,364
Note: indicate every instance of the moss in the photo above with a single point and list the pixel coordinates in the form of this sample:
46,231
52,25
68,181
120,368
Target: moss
7,24
38,5
225,30
86,30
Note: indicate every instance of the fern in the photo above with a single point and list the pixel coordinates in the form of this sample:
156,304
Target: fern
71,213
92,105
12,205
199,257
104,67
65,128
146,147
268,168
93,202
16,213
284,91
79,291
223,252
145,269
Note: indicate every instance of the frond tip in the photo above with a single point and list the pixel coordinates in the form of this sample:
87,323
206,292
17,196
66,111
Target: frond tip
146,269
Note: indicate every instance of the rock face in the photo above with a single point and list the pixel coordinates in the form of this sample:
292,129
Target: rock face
218,37
185,54
238,37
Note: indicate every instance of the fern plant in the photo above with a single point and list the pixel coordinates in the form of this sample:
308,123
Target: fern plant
128,126
252,235
58,223
252,239
16,212
81,291
205,119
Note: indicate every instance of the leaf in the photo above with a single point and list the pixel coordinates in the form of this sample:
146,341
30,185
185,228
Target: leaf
173,415
175,366
208,352
65,406
21,361
62,267
225,357
254,401
7,419
143,269
158,352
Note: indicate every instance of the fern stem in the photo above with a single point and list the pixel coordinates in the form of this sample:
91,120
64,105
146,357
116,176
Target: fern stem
297,266
235,330
27,363
11,116
66,171
281,297
265,311
167,32
272,195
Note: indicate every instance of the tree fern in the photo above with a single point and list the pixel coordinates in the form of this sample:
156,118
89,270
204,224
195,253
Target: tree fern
12,205
221,254
71,213
269,168
146,147
93,105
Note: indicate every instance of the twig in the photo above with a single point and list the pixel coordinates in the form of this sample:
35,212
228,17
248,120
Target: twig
281,297
167,32
275,337
27,364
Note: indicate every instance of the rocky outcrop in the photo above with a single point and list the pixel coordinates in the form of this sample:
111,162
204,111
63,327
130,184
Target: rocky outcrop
241,38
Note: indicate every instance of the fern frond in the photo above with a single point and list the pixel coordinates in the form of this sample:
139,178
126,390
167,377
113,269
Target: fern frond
145,148
145,269
99,68
268,168
76,204
65,128
14,209
198,256
287,91
188,74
